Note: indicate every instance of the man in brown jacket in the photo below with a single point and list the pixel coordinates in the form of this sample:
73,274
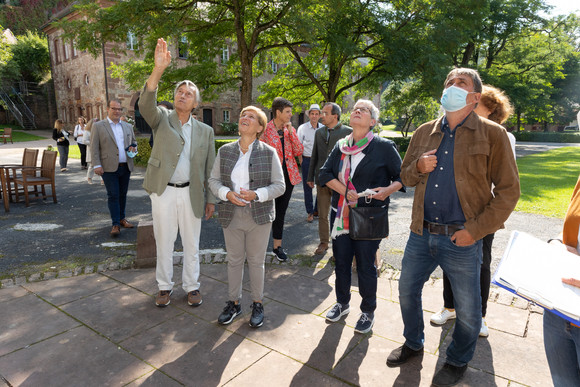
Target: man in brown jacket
453,163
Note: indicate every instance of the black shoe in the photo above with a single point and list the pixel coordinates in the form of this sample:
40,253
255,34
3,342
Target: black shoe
401,355
280,254
230,312
449,375
257,318
365,322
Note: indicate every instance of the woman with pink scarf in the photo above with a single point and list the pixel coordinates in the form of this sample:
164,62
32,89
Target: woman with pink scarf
361,161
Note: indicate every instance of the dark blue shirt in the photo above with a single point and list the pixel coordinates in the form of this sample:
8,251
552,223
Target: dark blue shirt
441,200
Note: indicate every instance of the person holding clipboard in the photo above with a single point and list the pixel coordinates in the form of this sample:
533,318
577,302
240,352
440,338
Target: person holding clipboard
561,337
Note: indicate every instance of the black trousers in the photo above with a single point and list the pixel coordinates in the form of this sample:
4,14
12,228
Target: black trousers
485,278
281,203
83,150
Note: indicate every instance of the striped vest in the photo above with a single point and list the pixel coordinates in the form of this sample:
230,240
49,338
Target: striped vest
260,176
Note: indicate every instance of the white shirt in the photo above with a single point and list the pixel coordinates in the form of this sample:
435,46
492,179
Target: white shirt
241,178
305,134
181,173
79,134
119,139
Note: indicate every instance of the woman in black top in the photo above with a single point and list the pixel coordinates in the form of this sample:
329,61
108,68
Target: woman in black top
61,137
362,162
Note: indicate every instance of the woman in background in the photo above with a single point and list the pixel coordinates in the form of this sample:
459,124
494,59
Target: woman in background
61,137
87,140
79,137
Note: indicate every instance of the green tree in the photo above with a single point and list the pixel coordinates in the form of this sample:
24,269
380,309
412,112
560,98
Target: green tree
31,56
29,15
408,104
354,46
246,28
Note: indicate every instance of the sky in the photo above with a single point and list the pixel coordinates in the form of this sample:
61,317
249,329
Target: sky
564,7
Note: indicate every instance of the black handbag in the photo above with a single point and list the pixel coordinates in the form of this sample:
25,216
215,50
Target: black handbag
368,223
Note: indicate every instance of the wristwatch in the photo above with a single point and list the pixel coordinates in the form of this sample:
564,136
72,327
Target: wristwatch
257,199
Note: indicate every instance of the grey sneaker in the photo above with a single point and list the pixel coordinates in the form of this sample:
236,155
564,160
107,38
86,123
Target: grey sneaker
230,312
365,323
257,319
337,311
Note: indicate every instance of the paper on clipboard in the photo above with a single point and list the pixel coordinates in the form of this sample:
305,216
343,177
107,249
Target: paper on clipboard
534,270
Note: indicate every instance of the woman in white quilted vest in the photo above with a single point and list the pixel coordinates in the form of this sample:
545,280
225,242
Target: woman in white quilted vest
246,177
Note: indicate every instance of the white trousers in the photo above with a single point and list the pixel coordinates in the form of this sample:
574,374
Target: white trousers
172,213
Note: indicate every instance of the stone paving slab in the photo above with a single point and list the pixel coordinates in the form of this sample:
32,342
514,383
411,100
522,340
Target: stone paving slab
103,329
27,320
195,352
76,357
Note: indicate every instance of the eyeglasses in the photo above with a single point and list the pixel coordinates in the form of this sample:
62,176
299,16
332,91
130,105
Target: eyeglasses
116,109
362,109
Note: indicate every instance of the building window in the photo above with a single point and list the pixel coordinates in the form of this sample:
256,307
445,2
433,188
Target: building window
132,43
74,49
226,116
63,109
55,51
68,83
66,50
274,67
225,54
183,47
86,79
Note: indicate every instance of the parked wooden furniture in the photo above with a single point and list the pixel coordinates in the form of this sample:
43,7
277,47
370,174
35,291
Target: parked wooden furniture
29,159
4,188
6,135
46,177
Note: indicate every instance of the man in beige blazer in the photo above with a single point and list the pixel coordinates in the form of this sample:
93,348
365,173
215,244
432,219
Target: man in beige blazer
112,146
176,178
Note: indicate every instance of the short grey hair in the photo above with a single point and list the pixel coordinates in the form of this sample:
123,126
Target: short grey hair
335,109
374,110
189,83
471,73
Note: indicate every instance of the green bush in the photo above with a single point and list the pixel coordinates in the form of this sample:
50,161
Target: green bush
220,143
402,143
229,128
144,151
547,137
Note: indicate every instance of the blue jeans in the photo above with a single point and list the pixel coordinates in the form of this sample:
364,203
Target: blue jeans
462,265
117,185
310,208
343,249
562,345
62,155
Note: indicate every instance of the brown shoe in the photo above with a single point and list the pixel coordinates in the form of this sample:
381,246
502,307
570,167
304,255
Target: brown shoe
163,298
310,218
126,224
321,249
194,298
115,231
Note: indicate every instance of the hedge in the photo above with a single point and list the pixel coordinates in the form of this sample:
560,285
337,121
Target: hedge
547,137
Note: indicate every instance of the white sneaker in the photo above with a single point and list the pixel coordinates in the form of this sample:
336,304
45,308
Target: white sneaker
443,316
483,332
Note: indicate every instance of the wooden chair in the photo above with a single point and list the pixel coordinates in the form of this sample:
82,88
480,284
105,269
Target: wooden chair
46,177
7,134
4,189
29,159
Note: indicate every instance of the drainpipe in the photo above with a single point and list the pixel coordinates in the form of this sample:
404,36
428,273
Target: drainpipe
105,70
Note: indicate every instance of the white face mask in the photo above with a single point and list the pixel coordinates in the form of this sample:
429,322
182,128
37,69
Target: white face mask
132,154
454,98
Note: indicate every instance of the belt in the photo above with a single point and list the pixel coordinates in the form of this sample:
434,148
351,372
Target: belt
122,164
178,185
442,229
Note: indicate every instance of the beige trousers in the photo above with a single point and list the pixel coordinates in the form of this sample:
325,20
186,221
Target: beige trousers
246,240
323,195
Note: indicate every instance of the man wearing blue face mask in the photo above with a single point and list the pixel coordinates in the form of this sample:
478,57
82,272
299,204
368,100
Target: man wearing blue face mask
452,162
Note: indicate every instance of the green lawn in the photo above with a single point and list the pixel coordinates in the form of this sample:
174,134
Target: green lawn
547,180
21,136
